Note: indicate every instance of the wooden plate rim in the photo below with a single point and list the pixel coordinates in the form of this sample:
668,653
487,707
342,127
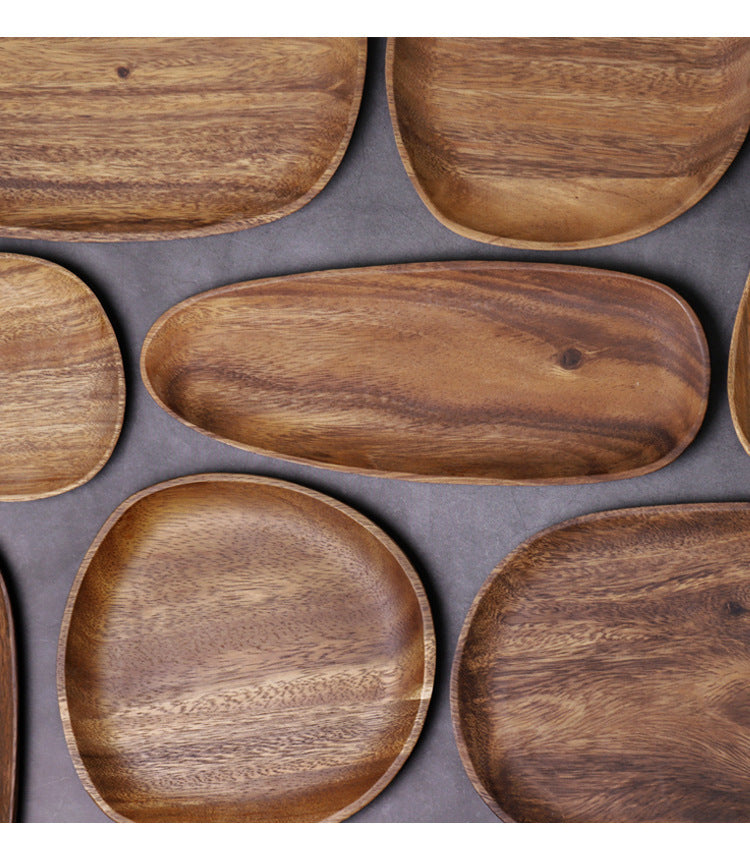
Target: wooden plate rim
11,640
740,321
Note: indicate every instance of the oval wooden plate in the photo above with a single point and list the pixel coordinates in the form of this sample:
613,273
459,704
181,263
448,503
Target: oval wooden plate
466,371
738,378
566,142
62,380
603,672
148,138
236,648
8,709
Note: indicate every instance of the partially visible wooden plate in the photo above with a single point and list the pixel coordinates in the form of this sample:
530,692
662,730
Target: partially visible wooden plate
8,710
558,143
62,385
148,138
603,672
466,371
738,376
236,648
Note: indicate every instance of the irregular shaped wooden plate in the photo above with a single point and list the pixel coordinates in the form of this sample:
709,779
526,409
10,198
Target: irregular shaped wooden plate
147,138
62,381
465,371
236,648
566,142
8,709
603,672
738,378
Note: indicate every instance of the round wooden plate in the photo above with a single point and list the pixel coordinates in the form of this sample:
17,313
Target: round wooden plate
62,381
8,709
738,374
236,648
557,143
603,672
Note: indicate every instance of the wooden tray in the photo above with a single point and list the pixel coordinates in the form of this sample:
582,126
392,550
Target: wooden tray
560,143
146,138
464,371
8,709
236,648
738,378
62,381
603,672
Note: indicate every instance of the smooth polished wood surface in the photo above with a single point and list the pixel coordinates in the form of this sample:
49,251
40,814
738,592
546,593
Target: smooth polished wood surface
566,142
62,385
8,710
147,138
603,672
738,377
463,371
236,648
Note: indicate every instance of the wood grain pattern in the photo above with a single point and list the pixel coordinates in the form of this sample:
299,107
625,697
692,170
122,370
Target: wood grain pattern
62,380
603,672
738,377
8,710
566,142
464,371
147,138
236,648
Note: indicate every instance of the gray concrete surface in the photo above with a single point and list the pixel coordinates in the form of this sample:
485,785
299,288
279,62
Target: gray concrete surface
368,214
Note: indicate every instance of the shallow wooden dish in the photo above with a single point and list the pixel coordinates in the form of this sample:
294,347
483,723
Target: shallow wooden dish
603,671
465,371
62,380
8,709
738,378
148,138
236,648
560,143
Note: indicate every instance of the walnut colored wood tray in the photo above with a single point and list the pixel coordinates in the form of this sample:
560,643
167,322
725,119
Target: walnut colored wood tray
560,143
62,380
236,648
119,138
465,371
603,672
8,709
738,379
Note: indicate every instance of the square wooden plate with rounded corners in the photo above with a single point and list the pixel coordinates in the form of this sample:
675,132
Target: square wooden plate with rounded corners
559,143
603,671
8,710
152,138
62,380
474,372
236,648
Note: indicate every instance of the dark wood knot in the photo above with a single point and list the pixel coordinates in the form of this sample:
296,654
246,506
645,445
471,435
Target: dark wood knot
571,358
123,71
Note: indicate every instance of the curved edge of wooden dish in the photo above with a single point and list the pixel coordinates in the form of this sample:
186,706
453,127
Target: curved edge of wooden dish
227,226
417,478
527,545
737,373
498,240
121,390
5,605
381,536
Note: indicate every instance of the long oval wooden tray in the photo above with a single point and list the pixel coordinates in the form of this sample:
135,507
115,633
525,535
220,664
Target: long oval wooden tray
566,142
466,371
603,671
236,648
738,376
152,138
8,710
61,379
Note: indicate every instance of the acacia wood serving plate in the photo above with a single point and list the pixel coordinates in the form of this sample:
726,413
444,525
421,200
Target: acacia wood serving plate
603,672
147,138
8,709
738,378
566,142
464,371
61,379
236,648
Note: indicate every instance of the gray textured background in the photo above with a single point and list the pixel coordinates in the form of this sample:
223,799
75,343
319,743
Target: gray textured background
368,214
